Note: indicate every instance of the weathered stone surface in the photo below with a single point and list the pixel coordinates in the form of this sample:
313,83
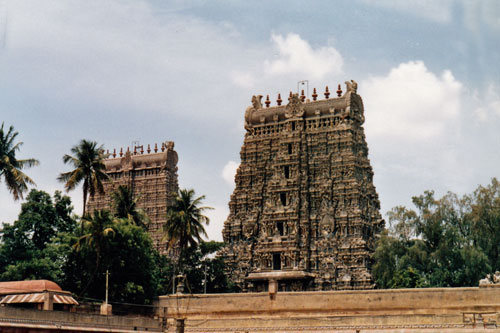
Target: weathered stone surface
402,310
152,176
304,199
19,320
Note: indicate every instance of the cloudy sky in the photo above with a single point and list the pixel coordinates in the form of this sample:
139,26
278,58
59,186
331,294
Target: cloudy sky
118,71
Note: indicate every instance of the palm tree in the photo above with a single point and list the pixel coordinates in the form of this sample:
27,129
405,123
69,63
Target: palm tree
185,220
88,161
10,167
96,229
126,207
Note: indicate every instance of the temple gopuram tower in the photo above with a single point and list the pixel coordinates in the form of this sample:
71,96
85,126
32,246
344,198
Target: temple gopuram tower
304,214
151,174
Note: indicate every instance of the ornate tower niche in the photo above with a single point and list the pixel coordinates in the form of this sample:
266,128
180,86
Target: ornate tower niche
304,213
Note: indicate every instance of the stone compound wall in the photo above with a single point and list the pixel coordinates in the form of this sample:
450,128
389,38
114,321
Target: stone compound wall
404,310
17,320
152,176
304,213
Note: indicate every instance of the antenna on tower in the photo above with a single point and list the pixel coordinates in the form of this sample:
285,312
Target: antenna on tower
301,85
135,146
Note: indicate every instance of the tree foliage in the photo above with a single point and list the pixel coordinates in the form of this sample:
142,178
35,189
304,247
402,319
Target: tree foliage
125,205
88,162
202,266
448,242
125,250
185,220
45,242
28,245
10,166
184,227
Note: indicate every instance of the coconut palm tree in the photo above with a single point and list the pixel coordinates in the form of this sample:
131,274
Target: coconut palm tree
96,228
126,207
88,161
184,226
10,167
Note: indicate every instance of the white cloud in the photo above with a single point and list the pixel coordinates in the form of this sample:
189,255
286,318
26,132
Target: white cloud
276,67
411,103
229,171
296,56
488,103
119,53
417,128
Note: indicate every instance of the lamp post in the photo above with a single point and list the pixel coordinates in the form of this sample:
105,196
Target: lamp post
204,259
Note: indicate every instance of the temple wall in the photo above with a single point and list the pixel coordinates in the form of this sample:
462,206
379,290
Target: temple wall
403,310
17,320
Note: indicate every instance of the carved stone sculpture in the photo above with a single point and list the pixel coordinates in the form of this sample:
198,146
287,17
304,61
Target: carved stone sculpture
304,201
490,280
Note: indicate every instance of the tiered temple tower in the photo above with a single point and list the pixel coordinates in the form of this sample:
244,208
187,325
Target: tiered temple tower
151,175
304,214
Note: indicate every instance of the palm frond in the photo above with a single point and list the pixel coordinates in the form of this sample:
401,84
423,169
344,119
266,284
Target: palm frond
10,167
185,220
87,158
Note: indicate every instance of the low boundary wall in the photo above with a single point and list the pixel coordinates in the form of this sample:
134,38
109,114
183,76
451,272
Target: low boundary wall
401,310
18,320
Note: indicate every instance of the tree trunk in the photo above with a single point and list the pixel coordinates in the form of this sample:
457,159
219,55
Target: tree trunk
84,201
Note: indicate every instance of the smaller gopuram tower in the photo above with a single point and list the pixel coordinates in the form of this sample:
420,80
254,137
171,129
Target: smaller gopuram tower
304,214
151,175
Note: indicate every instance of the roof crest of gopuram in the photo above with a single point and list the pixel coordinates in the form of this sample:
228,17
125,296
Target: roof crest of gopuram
301,107
140,157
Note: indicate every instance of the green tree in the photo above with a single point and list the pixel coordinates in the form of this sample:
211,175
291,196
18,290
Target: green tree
131,264
387,254
96,228
26,248
134,272
408,278
10,167
484,217
184,226
88,162
446,242
126,207
202,266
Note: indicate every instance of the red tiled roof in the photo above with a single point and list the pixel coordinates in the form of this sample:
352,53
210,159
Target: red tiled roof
28,286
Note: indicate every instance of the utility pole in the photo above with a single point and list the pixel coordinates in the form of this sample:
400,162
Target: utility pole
173,281
107,285
205,278
106,309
